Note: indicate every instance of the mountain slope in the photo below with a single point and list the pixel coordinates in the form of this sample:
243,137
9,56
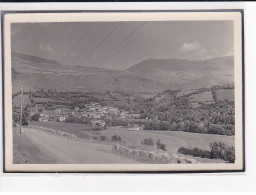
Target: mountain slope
152,75
182,73
35,73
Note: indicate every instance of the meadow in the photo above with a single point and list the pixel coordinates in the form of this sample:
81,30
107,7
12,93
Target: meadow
172,139
223,94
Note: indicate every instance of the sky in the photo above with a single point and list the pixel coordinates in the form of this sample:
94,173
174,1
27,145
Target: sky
119,45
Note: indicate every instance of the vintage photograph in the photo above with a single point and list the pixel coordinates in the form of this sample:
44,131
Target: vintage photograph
123,91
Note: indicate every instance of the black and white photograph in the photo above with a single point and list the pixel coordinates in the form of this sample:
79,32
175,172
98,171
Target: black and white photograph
104,91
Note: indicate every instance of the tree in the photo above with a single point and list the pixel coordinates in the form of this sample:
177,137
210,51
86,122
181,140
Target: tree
35,117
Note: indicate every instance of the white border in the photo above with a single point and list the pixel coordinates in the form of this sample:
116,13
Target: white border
236,17
154,182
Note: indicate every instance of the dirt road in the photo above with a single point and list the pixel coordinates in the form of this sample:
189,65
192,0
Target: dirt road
64,151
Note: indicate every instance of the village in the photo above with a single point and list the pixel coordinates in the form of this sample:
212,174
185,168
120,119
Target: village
93,111
169,111
92,114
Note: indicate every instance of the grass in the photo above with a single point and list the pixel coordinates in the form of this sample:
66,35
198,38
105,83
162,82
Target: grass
25,152
185,92
74,128
42,100
223,94
201,97
26,100
172,139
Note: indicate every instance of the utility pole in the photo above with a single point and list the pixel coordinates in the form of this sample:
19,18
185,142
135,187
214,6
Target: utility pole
21,93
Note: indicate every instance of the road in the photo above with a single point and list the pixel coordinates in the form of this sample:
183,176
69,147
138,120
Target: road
65,151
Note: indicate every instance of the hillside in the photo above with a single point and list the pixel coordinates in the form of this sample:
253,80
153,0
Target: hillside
152,75
187,74
35,73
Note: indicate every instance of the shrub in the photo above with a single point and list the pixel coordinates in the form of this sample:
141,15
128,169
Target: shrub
158,143
147,141
35,117
103,138
184,150
116,138
229,154
218,151
222,151
161,146
25,123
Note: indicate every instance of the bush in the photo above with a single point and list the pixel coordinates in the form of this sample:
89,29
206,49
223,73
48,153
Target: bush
158,143
35,117
218,151
116,138
25,123
229,154
147,141
103,138
222,151
161,146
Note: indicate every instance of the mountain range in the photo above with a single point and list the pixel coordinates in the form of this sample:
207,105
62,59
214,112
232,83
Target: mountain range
150,75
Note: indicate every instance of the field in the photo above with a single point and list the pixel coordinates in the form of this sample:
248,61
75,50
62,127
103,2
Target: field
173,140
201,97
223,94
185,92
42,100
74,128
16,100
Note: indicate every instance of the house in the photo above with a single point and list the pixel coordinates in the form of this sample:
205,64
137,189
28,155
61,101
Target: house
113,111
98,123
67,111
76,114
85,114
57,111
39,108
32,111
61,117
63,111
47,116
46,113
136,127
133,116
95,115
43,119
51,119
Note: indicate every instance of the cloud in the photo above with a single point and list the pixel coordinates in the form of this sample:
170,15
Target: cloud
188,47
196,50
46,48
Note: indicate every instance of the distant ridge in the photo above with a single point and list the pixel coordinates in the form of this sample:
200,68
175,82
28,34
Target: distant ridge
151,75
187,73
182,64
38,73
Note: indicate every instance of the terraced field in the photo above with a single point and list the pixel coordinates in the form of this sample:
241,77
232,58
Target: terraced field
223,94
201,97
